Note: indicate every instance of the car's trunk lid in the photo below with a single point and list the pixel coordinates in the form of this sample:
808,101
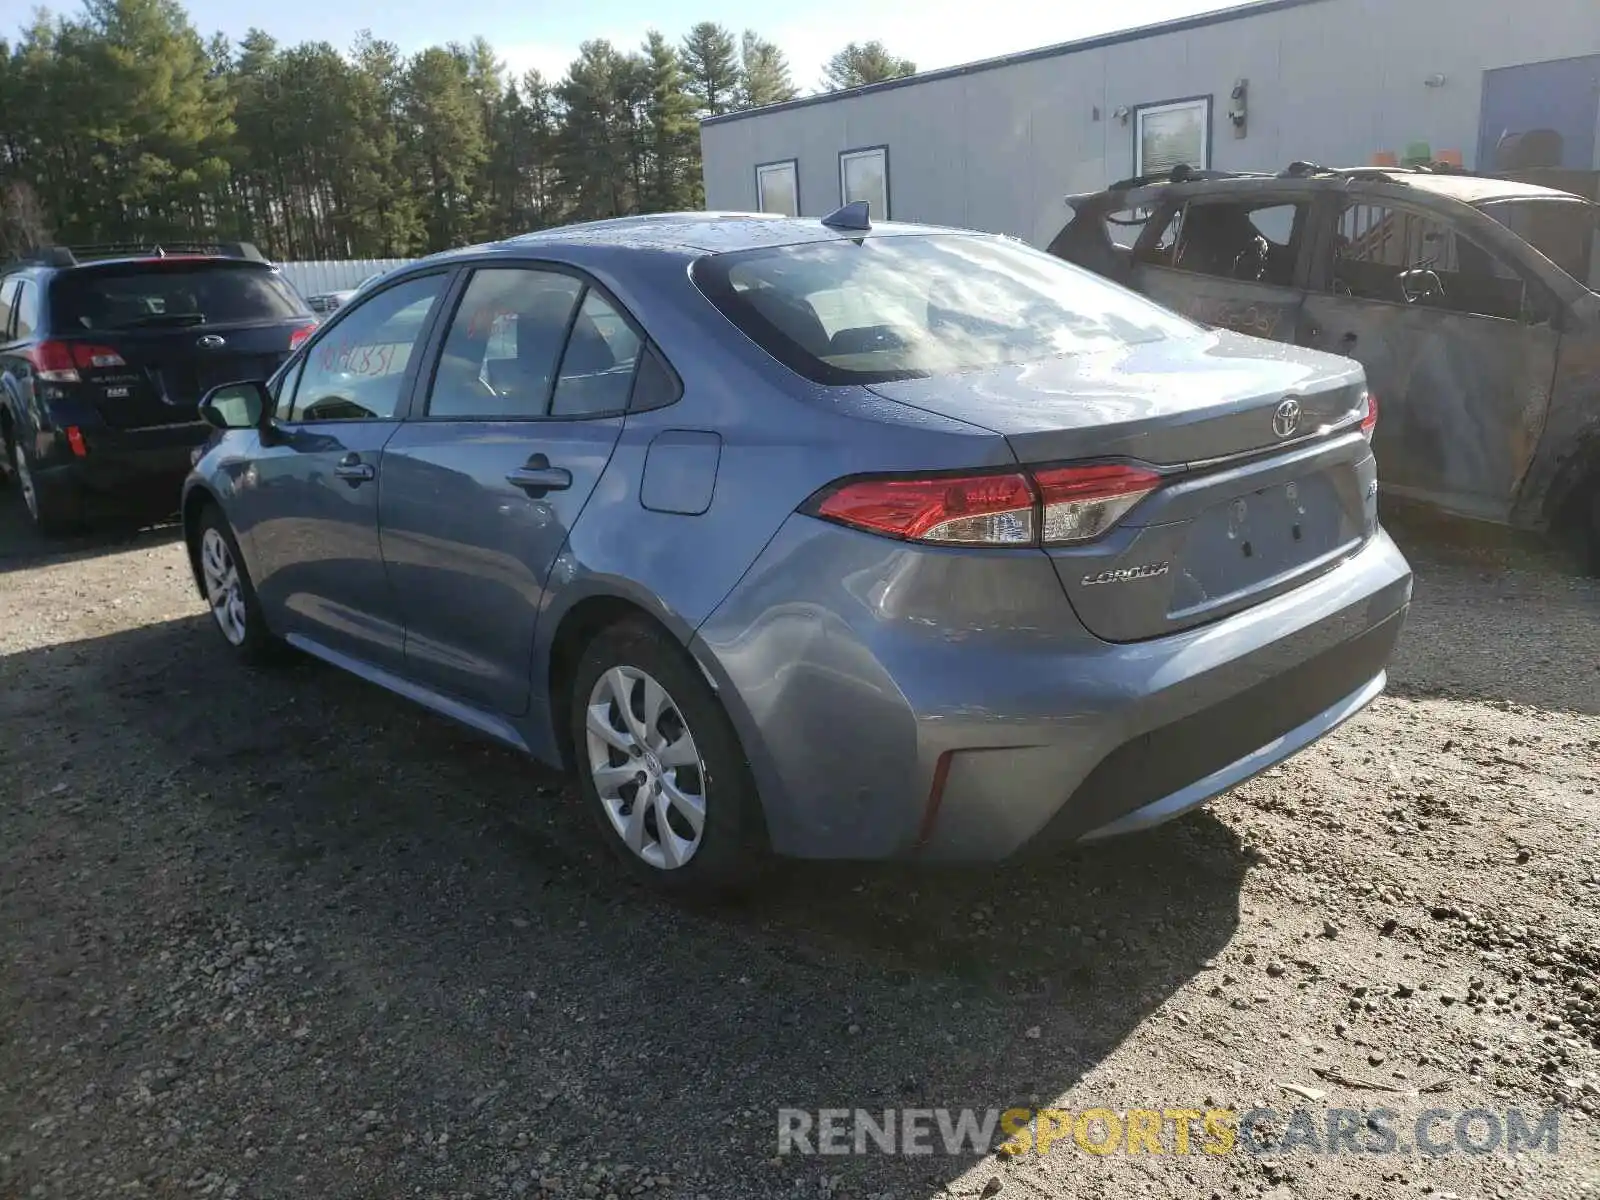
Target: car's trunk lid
166,371
153,335
1251,505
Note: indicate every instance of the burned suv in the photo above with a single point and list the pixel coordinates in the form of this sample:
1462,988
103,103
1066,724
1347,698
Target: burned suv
1470,300
105,352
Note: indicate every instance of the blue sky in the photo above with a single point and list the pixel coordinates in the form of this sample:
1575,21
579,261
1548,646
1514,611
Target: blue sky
933,33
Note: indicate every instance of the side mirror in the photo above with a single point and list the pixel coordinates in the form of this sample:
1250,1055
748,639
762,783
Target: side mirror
236,405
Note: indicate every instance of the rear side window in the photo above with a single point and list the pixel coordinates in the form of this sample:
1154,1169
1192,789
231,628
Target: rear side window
1252,243
170,292
500,356
8,302
898,307
27,315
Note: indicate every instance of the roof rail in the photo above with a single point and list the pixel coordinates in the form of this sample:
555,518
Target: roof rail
1182,173
71,256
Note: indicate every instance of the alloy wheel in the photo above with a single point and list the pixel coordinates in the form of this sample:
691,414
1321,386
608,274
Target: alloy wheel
646,767
223,590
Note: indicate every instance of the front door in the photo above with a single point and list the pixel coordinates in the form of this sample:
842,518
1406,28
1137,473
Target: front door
483,486
1232,263
1459,347
309,500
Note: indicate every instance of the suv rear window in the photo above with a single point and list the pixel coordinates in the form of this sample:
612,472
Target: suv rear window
153,294
904,306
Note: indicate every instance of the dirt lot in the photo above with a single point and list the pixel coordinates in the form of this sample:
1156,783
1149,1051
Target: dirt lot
282,935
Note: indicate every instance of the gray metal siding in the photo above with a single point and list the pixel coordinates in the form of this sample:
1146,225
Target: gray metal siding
312,277
997,148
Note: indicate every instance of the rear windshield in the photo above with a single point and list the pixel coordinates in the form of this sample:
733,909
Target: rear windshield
904,306
1564,231
134,295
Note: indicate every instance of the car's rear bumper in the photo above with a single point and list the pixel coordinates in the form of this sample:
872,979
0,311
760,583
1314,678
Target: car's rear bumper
149,463
900,702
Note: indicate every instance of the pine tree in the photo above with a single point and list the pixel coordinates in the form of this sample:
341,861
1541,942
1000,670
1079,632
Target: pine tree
711,64
859,64
764,73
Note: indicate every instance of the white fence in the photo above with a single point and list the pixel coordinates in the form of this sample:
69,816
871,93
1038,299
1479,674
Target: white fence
313,277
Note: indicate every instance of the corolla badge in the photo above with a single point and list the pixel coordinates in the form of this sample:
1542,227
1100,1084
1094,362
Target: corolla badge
1128,574
1286,418
211,341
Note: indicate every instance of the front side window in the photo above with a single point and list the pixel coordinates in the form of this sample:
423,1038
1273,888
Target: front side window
504,345
357,370
778,188
1567,232
1233,239
1404,256
864,175
1177,133
898,307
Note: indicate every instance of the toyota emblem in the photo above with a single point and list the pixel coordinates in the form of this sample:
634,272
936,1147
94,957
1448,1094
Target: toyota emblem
211,342
1286,418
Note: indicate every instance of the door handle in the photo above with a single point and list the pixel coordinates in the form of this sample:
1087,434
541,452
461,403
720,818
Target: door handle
540,479
351,467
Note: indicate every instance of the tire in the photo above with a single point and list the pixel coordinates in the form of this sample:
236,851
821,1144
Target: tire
235,608
53,511
616,773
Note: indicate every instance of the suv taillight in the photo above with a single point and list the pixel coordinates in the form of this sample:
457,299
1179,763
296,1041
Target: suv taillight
298,337
60,362
1050,506
1369,416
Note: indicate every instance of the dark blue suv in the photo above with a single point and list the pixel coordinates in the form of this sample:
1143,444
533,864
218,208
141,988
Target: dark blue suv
105,352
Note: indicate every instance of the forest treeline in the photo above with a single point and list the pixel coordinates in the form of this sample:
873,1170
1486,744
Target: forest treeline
123,123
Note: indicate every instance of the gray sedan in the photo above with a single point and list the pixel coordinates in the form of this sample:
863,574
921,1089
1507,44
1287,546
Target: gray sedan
825,538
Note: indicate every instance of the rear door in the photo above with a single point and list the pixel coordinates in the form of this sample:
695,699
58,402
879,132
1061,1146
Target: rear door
1459,346
1235,262
165,331
309,500
482,487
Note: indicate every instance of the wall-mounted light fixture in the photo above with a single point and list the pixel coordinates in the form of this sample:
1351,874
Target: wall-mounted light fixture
1122,114
1434,81
1239,107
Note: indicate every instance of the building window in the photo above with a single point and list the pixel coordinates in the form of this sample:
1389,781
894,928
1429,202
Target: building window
1172,133
778,188
864,175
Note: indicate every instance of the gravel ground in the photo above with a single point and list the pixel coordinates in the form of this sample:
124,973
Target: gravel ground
281,934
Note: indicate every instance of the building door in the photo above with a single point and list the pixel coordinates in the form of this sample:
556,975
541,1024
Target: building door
1563,96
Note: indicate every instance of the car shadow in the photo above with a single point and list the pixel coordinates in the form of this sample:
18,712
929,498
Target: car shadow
22,546
456,884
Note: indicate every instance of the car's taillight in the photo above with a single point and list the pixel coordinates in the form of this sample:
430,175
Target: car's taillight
1051,506
60,362
1081,503
1369,417
298,337
966,510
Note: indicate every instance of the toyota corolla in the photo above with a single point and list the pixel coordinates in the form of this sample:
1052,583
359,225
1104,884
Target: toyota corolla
833,539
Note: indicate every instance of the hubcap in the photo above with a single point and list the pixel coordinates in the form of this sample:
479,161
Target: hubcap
30,497
222,586
646,767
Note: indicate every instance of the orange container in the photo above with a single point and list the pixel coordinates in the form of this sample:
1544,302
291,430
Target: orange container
1385,158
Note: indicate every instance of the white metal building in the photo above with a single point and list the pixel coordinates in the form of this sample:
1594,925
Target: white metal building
996,145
